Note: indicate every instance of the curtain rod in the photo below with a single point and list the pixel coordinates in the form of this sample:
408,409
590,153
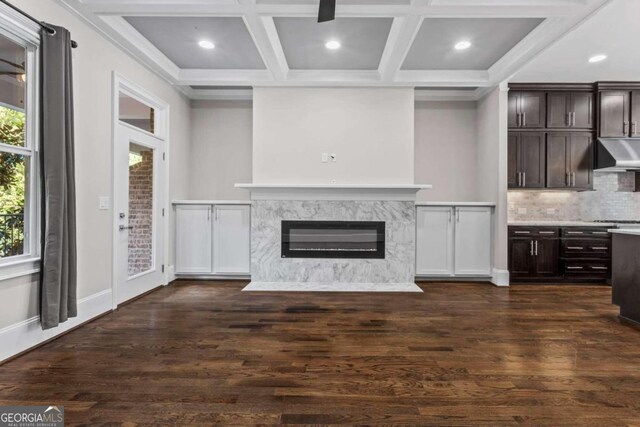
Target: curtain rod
42,24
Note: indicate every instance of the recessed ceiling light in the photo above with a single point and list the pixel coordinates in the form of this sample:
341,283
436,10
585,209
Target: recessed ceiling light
597,58
206,44
462,45
332,44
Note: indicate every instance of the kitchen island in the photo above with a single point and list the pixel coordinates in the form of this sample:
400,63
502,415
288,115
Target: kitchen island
626,273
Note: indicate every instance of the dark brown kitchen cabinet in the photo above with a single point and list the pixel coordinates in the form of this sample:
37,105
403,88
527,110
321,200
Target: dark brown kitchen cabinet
534,257
614,114
572,110
569,159
527,109
526,157
635,114
557,255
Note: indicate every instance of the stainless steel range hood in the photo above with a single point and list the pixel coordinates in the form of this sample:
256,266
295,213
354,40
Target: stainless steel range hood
618,154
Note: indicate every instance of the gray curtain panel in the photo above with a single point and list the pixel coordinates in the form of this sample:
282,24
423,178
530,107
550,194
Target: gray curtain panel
58,299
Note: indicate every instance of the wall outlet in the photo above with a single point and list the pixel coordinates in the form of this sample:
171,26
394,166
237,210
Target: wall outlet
333,181
522,211
325,157
103,203
551,211
333,157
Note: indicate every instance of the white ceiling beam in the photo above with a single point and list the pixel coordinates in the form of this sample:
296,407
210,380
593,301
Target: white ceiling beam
403,33
470,78
264,38
199,77
521,9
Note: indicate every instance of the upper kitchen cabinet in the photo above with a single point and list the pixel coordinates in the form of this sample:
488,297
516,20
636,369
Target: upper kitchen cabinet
618,110
614,114
526,157
572,110
570,160
527,110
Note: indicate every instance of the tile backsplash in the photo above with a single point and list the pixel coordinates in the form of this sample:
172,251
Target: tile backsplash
613,198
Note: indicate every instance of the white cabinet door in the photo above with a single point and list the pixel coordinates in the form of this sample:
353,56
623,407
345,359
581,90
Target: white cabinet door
434,241
231,237
473,241
194,239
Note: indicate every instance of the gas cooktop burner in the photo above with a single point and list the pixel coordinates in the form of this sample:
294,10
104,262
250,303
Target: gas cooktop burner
618,221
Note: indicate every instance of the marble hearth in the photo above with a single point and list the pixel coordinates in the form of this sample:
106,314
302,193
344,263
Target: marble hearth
394,205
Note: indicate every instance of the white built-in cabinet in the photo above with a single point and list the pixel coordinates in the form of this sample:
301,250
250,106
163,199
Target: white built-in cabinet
213,239
454,241
231,239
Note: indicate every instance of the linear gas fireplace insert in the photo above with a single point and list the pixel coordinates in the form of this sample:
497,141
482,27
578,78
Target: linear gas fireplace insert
333,239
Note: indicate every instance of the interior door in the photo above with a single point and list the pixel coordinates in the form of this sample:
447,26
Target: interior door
434,241
138,203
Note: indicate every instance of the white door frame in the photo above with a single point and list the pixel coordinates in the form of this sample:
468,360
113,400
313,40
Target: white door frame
161,115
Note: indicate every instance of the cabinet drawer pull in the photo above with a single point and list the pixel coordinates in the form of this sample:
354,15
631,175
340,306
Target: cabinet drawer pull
522,232
599,232
599,248
575,232
598,268
547,232
575,268
577,248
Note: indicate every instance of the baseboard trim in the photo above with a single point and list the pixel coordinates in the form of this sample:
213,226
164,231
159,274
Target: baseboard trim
22,336
213,277
171,273
500,277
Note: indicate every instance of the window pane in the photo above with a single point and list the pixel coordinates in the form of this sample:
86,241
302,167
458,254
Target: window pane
14,178
141,249
13,61
136,113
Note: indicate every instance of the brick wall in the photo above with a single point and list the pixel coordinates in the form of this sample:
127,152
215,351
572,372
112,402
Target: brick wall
141,214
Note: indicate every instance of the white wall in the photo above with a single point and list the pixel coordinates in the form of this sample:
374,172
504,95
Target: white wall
446,150
492,167
221,147
94,61
370,130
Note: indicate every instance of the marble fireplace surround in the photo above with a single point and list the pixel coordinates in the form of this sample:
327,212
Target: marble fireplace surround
271,204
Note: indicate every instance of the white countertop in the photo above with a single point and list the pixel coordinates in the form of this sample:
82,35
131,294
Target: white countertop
545,223
416,187
455,204
629,231
211,202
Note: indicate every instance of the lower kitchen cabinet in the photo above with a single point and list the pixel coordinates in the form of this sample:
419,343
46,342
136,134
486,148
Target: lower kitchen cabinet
534,257
212,239
554,254
453,241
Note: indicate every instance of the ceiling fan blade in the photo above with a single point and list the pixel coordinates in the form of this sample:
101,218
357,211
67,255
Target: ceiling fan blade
327,10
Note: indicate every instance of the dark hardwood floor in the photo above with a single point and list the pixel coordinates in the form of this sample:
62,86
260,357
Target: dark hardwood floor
204,353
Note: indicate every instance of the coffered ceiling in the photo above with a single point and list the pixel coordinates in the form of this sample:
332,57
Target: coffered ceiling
381,42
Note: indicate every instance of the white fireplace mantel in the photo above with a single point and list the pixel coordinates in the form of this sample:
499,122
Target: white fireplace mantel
397,192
